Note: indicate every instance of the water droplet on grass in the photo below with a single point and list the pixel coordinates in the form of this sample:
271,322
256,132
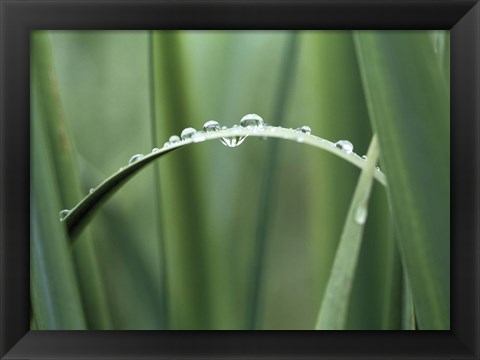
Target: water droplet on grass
233,141
361,214
251,120
211,126
364,157
345,145
91,190
154,150
173,139
63,214
187,133
305,129
135,158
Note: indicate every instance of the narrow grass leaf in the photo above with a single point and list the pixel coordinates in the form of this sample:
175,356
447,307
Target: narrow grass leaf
408,104
54,290
50,113
333,311
80,214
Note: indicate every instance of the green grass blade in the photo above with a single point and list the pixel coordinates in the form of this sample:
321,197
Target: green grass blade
50,113
408,313
409,109
153,91
82,212
333,311
269,185
55,295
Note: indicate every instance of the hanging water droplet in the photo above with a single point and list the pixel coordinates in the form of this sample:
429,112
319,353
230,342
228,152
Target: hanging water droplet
63,214
173,139
251,120
91,190
364,157
187,133
345,145
361,214
233,141
135,158
305,129
210,126
199,136
154,150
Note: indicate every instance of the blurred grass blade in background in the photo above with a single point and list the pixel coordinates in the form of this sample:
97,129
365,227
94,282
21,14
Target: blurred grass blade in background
188,285
333,311
267,199
408,104
55,295
50,115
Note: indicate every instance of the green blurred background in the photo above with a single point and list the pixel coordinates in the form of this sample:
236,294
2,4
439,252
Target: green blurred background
177,246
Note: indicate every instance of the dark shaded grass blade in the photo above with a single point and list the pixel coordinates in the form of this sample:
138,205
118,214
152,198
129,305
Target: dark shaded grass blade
50,113
334,308
54,290
409,109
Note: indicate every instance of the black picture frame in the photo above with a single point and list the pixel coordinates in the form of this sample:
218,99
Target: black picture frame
19,17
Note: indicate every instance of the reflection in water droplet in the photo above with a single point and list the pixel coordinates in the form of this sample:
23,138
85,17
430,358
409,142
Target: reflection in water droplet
173,139
63,214
305,129
251,120
135,158
345,145
154,150
210,126
187,133
361,214
233,141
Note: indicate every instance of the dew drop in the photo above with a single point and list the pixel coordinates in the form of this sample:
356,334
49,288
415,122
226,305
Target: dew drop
135,158
154,150
167,144
91,190
364,157
173,139
199,136
305,129
361,214
233,141
345,145
211,126
224,128
187,133
63,214
378,168
251,120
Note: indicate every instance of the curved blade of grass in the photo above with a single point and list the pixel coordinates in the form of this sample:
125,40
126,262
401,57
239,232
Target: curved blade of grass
55,295
269,185
333,311
80,214
408,104
51,116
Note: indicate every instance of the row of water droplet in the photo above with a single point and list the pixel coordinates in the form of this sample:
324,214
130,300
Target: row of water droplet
250,121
